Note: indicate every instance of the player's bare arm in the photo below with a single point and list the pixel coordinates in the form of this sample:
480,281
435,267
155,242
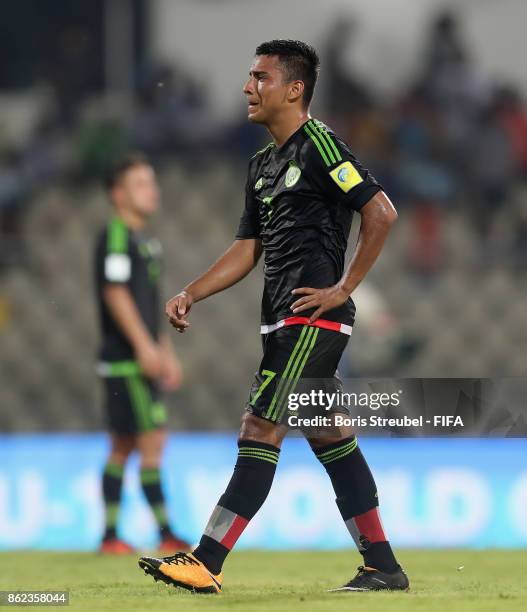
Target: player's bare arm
239,259
125,313
377,217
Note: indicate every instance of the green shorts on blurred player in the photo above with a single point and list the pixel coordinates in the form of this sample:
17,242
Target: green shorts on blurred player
136,362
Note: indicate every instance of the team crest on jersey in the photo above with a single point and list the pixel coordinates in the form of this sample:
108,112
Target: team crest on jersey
346,176
259,184
292,175
150,248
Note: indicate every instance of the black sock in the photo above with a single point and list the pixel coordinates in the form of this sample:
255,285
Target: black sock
112,481
246,492
357,501
151,483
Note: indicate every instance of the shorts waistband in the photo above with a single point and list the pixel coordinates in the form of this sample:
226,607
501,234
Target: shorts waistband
322,323
111,369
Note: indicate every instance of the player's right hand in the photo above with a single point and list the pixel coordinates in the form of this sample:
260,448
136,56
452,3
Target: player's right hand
177,310
150,358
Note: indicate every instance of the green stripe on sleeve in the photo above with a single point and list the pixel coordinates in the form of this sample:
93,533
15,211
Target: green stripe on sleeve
117,240
322,129
317,144
322,136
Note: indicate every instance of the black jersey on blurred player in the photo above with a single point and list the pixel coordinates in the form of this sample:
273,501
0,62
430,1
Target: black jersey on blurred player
301,193
135,360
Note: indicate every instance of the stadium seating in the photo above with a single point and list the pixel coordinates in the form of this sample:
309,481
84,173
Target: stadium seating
469,319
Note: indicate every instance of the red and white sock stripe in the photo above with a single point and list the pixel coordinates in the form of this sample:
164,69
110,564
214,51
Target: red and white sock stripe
368,525
225,526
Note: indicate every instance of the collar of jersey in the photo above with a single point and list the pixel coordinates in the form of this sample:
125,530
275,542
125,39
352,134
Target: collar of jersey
293,135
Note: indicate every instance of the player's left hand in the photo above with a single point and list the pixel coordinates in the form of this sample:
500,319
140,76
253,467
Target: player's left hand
321,299
172,375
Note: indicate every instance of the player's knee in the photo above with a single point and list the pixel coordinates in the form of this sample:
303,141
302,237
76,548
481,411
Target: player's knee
120,456
321,441
260,430
150,457
122,447
151,445
150,462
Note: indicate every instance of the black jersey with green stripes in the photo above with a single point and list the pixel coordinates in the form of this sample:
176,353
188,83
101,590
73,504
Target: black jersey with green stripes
300,200
129,258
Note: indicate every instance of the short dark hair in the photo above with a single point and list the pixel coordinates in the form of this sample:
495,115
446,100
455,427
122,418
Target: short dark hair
120,167
299,60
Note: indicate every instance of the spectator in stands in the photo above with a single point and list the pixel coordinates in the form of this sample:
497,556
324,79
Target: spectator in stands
452,83
346,92
491,173
427,181
173,113
512,115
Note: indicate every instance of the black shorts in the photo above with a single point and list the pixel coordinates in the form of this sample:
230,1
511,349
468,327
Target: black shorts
296,359
133,404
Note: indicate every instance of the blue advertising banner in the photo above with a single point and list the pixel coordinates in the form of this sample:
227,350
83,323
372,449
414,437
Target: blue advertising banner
433,492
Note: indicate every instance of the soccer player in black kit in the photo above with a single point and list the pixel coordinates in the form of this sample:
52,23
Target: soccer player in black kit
301,193
137,361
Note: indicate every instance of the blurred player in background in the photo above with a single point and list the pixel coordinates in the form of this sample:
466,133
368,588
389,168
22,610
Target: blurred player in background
301,193
137,362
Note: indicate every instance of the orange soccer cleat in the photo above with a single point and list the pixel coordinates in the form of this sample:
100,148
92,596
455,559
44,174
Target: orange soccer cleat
182,570
115,546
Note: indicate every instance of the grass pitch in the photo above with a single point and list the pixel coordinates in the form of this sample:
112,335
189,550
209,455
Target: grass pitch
263,581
